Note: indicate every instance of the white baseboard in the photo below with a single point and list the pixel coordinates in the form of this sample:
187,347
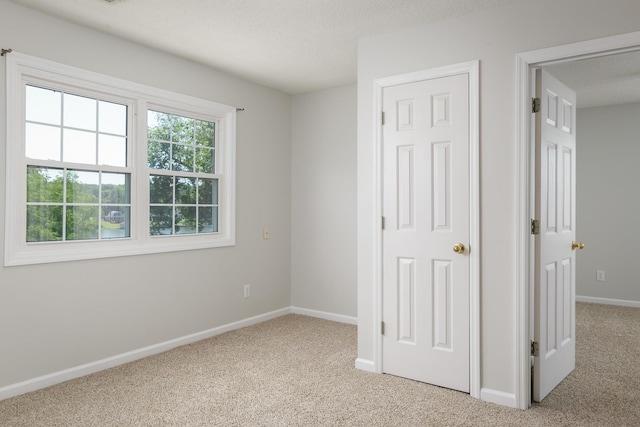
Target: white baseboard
498,397
120,359
110,362
325,315
365,365
609,301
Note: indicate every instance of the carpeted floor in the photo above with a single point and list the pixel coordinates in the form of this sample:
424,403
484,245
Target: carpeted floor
297,370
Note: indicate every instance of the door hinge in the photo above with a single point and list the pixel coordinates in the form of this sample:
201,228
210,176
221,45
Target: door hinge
535,105
382,328
534,348
535,227
383,223
382,118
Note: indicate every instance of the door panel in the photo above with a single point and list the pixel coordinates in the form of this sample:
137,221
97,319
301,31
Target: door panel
554,323
426,210
406,300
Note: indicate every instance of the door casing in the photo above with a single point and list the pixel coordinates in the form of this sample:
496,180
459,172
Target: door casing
471,68
525,185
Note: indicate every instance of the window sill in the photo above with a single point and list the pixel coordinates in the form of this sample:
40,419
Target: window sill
42,253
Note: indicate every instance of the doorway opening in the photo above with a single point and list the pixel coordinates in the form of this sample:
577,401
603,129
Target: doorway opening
525,63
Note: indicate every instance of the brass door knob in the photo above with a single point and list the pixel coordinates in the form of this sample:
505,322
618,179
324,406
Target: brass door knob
577,245
458,248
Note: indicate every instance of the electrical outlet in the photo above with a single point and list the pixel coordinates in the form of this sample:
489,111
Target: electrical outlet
247,291
266,234
600,275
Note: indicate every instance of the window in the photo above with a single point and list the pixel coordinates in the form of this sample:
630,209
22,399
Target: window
78,185
100,167
183,188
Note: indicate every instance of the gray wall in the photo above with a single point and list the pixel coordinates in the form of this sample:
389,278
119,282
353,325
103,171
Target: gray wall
608,202
296,173
62,315
494,37
323,192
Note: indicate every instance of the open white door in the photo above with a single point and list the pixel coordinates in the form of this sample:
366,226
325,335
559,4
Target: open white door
426,267
554,309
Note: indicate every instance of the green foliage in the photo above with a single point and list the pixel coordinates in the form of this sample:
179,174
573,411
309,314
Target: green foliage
82,222
44,222
179,144
45,198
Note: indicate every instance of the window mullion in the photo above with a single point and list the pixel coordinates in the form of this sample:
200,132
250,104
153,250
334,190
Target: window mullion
140,173
97,135
64,204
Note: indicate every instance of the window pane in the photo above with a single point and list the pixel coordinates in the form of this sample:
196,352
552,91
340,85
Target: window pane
205,132
44,223
183,130
208,191
206,220
43,105
182,158
159,126
159,155
79,112
44,185
112,118
215,220
79,147
160,220
115,223
82,222
42,142
161,189
204,160
185,220
112,150
82,187
115,188
186,191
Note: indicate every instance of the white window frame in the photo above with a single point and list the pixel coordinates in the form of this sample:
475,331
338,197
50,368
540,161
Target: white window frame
23,69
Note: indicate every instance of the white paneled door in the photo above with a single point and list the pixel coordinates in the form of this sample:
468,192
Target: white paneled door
554,310
426,268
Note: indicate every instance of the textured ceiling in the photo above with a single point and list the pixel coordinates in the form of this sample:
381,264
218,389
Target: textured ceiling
293,45
605,80
299,46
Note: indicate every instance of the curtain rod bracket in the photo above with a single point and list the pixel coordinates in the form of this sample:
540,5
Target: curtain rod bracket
3,52
239,109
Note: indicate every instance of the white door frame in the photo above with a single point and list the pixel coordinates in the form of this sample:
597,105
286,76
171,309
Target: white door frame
525,62
473,69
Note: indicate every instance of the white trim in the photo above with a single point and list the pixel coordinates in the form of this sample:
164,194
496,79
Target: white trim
522,233
378,86
473,69
498,397
609,301
474,230
20,68
351,320
523,303
120,359
365,365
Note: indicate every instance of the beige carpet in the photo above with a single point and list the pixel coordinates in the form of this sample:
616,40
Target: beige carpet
297,370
